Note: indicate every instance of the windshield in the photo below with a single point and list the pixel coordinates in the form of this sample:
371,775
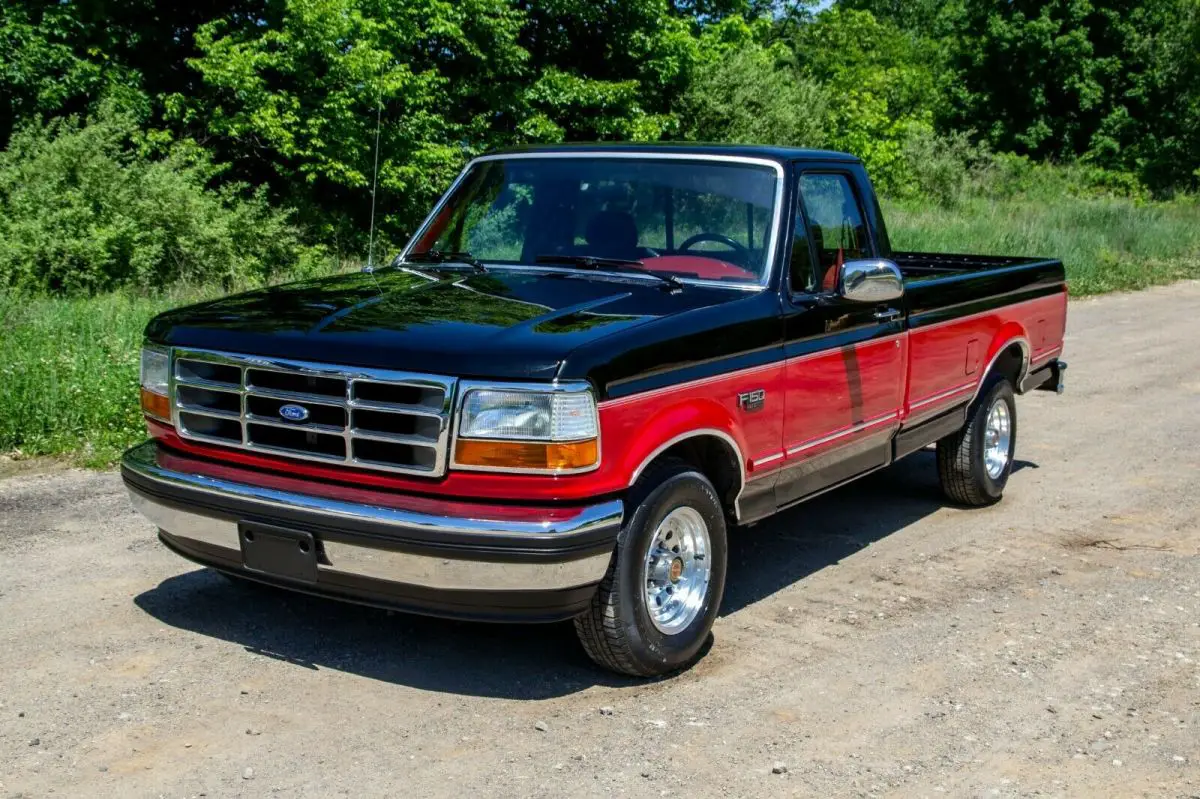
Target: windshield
702,219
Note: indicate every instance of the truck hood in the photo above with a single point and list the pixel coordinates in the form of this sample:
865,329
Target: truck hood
503,323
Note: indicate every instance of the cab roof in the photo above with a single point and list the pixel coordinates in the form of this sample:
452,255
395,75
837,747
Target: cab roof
767,151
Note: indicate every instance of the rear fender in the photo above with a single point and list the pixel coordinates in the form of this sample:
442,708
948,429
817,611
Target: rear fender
1010,333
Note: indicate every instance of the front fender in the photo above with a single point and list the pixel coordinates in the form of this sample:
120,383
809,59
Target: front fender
637,439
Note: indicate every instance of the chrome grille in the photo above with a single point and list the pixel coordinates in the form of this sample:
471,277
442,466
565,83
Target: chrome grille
369,418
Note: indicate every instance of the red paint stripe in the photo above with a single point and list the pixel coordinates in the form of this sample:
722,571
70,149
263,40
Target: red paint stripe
861,427
943,395
767,459
1050,353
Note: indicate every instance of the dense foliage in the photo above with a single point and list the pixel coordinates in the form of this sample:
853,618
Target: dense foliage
174,151
146,142
95,207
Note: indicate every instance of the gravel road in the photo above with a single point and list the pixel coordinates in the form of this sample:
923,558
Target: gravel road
874,642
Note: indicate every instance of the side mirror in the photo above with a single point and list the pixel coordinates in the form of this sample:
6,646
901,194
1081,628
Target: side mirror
870,280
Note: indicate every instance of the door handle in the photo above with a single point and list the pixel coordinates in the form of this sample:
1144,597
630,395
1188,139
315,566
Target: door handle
887,314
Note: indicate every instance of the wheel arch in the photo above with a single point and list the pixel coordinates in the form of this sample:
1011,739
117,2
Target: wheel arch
714,452
1008,355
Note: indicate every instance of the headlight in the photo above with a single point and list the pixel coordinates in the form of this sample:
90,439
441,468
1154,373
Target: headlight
528,415
156,366
531,430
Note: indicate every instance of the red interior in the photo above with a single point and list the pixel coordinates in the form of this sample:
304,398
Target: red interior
700,266
430,236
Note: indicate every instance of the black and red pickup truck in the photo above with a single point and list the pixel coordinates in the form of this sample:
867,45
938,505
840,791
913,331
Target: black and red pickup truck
589,367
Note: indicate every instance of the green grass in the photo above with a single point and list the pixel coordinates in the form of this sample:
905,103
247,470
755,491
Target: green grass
1106,243
68,376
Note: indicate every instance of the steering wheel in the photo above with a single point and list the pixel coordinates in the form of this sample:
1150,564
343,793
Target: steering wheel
720,238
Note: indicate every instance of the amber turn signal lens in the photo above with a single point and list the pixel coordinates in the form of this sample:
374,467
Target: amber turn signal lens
520,455
156,404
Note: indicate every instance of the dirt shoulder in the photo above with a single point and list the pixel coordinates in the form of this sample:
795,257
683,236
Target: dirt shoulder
874,642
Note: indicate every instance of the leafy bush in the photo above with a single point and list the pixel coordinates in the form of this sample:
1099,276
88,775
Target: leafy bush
940,168
950,169
1005,175
748,97
88,207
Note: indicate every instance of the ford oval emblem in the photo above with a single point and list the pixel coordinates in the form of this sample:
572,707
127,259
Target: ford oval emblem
293,413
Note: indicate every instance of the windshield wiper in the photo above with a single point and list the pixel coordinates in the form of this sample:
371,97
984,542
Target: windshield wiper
612,265
446,257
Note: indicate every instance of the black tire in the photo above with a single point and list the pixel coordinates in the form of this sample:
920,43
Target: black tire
960,456
617,631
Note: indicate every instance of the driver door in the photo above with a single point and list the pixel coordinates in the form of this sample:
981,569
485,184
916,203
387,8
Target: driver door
845,361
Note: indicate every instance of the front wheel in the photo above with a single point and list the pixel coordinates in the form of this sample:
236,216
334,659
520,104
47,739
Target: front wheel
656,606
974,463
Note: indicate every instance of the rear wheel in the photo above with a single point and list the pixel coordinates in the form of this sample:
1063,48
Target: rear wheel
974,463
656,606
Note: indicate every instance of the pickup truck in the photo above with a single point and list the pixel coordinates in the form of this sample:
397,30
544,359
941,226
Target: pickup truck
588,368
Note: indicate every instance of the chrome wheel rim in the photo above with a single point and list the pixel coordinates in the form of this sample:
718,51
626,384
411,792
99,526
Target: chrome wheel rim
677,570
997,438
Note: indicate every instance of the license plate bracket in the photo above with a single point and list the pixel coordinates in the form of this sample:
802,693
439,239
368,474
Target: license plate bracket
278,551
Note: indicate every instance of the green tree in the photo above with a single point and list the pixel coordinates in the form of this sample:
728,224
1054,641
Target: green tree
601,71
44,69
1156,129
749,95
292,97
882,83
931,20
61,58
1039,77
1112,81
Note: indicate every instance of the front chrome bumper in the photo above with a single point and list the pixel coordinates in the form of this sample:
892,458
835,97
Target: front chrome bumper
451,558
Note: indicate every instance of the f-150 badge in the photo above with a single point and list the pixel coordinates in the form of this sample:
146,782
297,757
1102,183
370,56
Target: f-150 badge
752,400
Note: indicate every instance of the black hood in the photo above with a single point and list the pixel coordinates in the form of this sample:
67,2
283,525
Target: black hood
503,323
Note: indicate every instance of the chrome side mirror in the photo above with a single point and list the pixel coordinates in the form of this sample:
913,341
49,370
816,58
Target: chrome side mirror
870,280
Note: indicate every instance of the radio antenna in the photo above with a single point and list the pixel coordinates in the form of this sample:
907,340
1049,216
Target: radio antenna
370,267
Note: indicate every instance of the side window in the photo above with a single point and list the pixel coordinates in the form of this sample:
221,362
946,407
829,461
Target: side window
802,269
835,223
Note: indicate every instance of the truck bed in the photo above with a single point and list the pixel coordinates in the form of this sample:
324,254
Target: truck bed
927,265
940,286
